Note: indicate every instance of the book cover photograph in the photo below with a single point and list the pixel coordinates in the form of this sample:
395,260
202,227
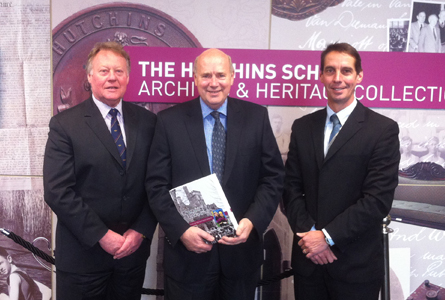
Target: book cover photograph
202,203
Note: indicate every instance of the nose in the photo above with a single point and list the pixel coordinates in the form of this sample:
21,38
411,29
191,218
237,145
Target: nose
337,76
112,75
214,81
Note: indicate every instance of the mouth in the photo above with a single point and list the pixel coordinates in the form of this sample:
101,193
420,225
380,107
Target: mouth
338,90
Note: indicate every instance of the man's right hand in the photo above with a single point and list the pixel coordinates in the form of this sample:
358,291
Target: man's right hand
111,242
193,239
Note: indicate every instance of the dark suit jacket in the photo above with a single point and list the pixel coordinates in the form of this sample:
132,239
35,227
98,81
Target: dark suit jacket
87,187
348,192
252,182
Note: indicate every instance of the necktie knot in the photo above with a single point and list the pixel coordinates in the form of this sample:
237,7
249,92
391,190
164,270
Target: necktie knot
334,119
215,115
113,112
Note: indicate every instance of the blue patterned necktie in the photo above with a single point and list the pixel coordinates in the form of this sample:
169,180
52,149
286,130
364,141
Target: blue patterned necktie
218,146
336,127
116,133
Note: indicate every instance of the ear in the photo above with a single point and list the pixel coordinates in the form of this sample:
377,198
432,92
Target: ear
360,77
9,258
195,78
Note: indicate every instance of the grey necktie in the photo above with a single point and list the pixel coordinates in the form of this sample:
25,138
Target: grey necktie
218,146
336,127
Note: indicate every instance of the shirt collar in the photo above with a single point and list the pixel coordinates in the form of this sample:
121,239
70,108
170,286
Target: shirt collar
105,109
207,110
343,114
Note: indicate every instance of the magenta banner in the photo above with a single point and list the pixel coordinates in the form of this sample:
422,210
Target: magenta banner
289,78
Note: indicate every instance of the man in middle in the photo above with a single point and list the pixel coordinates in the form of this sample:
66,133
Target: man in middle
251,174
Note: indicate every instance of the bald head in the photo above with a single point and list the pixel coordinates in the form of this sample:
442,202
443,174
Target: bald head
213,73
213,52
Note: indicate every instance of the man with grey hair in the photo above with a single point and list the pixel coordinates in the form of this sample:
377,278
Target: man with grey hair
429,39
93,173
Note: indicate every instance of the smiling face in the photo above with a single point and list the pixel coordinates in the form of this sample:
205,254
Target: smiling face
108,77
213,77
340,79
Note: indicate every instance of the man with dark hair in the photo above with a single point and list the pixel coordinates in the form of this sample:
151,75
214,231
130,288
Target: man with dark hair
94,173
414,31
233,139
20,285
341,173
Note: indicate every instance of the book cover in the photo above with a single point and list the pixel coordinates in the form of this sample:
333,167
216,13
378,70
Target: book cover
202,203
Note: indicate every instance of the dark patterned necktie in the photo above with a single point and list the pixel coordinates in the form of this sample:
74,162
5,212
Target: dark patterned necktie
218,146
116,133
336,127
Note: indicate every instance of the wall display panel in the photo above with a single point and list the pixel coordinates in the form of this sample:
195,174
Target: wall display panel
379,25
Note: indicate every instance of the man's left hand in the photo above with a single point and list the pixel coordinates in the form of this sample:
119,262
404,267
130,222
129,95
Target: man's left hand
312,242
245,226
324,257
133,240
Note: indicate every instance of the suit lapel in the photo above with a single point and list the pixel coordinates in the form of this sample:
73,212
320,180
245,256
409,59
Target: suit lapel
317,134
348,130
235,126
195,128
131,130
95,121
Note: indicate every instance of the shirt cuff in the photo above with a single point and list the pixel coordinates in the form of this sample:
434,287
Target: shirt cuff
329,240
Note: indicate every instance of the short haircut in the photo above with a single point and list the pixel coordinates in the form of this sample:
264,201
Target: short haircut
3,252
110,46
342,48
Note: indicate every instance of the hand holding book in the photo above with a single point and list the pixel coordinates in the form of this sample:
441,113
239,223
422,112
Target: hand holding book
202,204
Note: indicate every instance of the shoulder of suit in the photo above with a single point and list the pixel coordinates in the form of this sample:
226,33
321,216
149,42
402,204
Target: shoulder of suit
137,109
320,113
246,108
181,109
378,120
79,109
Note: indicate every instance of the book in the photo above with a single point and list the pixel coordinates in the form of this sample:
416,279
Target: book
202,203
